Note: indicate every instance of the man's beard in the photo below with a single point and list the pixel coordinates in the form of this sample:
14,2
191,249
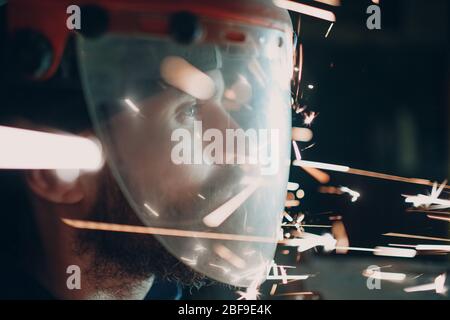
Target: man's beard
120,255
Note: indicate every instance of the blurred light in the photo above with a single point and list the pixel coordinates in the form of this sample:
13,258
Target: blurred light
413,236
252,292
28,149
302,134
103,226
300,194
229,256
438,286
68,175
387,276
298,155
320,165
151,210
430,247
309,117
292,203
132,105
182,75
394,252
305,9
317,174
340,234
355,195
218,216
334,3
287,216
329,30
434,217
191,262
433,198
292,186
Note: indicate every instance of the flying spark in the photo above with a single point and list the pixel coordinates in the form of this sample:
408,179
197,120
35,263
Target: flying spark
218,216
103,226
346,169
156,214
413,236
298,155
309,118
252,292
131,105
432,199
329,30
438,286
305,9
387,276
355,195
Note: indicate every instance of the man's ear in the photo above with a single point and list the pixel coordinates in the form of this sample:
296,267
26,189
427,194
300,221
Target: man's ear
50,186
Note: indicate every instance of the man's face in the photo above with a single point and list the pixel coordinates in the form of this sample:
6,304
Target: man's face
143,148
155,177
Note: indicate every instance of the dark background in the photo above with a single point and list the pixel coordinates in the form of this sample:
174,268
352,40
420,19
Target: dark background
383,103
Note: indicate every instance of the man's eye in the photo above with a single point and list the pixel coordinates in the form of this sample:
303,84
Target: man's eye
189,112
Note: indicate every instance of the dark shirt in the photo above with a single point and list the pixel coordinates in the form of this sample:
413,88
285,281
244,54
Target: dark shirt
15,284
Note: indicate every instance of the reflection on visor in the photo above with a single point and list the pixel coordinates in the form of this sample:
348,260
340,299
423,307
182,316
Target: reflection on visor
180,74
199,141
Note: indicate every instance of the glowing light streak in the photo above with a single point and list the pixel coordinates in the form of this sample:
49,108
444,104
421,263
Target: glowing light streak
229,256
298,155
413,236
102,226
218,216
430,247
292,186
29,149
387,276
346,169
309,118
201,197
355,195
156,214
395,252
434,217
438,286
329,30
191,262
320,165
252,292
302,134
132,105
305,9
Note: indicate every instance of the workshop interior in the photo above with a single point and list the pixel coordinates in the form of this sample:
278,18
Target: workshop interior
224,150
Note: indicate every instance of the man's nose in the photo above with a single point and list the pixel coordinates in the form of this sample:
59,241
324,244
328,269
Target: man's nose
218,118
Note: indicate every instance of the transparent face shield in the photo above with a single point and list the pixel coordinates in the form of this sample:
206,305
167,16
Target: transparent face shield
198,139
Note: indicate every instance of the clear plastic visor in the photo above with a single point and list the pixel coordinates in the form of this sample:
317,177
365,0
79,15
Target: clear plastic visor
198,138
